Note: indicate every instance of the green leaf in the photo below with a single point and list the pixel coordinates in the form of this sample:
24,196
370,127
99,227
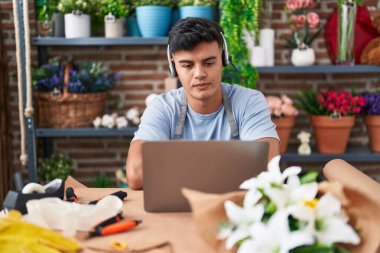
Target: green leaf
340,249
313,249
309,177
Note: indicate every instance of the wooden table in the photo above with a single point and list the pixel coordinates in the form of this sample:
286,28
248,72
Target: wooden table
176,228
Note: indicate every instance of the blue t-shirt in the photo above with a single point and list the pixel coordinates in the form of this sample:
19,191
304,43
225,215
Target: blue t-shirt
249,109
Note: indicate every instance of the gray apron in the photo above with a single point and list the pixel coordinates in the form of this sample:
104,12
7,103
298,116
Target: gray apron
227,108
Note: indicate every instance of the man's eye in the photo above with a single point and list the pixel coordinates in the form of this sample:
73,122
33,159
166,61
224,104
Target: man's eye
186,66
209,63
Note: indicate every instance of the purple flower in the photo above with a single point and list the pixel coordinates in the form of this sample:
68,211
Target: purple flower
85,77
372,106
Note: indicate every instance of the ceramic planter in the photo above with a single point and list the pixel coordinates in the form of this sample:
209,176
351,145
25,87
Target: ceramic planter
284,127
77,25
153,21
303,57
373,127
197,11
58,25
332,134
114,28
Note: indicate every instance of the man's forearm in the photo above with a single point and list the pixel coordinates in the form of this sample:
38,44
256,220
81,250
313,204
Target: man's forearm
134,166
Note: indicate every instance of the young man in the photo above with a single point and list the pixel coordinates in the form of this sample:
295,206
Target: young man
204,108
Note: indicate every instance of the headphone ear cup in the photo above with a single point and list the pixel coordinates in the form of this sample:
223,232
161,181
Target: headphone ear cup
172,69
224,61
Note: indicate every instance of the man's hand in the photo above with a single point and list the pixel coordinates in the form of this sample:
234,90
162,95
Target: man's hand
274,147
134,165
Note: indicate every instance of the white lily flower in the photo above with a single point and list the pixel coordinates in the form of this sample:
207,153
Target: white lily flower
272,177
292,193
326,221
274,237
242,218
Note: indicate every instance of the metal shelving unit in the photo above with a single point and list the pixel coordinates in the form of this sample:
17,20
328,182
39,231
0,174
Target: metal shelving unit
352,154
85,132
100,41
320,69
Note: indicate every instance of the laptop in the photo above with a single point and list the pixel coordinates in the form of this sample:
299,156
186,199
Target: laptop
207,166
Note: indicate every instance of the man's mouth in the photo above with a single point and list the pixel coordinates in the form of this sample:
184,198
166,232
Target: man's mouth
201,84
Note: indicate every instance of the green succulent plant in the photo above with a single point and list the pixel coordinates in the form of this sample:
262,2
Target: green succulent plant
102,181
154,2
45,9
70,6
56,166
117,8
307,100
198,3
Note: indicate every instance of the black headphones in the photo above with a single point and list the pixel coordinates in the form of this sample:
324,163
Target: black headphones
225,58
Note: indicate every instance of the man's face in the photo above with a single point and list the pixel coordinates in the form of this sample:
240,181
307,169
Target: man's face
200,71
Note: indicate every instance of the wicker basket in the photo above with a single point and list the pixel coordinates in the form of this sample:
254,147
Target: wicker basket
67,110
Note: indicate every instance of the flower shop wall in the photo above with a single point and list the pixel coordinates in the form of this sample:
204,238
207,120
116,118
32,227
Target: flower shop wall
142,71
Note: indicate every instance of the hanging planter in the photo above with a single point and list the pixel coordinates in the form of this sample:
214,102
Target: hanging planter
77,25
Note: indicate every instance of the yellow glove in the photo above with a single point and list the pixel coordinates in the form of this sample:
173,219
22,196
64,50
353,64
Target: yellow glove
17,236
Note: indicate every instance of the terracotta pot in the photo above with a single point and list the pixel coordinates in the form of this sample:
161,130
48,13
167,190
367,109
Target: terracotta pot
373,126
284,128
332,135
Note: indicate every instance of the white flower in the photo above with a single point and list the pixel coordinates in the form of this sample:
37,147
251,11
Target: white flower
272,177
241,218
274,237
326,221
292,193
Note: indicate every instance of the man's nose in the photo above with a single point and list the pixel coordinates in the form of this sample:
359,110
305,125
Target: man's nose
200,72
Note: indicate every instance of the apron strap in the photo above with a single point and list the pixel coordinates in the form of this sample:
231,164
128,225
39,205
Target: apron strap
182,117
227,108
230,116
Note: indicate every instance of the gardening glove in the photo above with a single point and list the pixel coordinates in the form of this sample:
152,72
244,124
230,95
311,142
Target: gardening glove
18,236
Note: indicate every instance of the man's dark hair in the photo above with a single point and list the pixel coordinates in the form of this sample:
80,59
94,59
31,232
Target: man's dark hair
190,32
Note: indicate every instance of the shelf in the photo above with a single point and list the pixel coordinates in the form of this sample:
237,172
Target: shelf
319,69
99,41
85,132
356,154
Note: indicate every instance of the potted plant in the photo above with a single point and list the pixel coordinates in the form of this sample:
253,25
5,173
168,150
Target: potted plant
45,17
197,8
283,115
371,110
332,117
235,18
133,29
56,166
302,20
114,13
77,17
71,95
153,17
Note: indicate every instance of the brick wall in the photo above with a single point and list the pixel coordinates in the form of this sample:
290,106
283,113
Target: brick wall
143,69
